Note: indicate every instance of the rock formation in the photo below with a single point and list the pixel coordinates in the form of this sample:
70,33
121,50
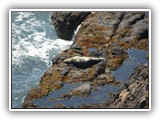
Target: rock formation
106,35
66,22
135,92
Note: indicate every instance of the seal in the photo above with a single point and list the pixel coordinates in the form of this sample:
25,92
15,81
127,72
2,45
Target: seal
83,62
79,59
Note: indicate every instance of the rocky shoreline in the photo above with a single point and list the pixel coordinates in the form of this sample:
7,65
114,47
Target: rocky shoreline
83,72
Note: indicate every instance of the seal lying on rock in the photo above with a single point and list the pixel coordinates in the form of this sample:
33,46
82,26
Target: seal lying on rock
79,59
83,62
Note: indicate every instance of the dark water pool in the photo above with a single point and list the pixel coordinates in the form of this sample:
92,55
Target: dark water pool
98,96
136,57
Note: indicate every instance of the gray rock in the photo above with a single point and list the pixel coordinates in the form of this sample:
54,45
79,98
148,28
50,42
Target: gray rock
98,53
135,93
59,58
65,71
117,51
81,91
131,18
140,29
75,46
66,22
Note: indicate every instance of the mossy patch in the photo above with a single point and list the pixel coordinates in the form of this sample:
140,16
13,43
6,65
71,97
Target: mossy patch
142,44
48,83
113,63
33,94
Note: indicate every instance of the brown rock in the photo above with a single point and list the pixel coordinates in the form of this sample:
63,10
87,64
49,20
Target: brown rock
102,34
123,95
103,80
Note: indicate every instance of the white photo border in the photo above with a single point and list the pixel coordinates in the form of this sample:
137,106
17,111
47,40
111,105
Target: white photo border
58,10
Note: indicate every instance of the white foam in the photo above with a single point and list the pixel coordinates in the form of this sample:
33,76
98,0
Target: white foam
30,40
42,51
22,15
76,31
34,44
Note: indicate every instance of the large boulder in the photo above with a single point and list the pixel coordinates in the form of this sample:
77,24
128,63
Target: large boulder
66,22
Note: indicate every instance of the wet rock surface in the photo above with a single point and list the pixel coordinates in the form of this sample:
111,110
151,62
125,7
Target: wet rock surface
81,91
135,92
66,22
108,35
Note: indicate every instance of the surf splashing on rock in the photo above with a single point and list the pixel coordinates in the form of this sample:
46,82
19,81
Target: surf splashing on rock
34,44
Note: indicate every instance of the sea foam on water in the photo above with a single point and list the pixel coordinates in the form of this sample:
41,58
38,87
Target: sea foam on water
34,44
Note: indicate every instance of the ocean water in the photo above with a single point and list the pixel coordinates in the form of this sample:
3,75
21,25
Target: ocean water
34,44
